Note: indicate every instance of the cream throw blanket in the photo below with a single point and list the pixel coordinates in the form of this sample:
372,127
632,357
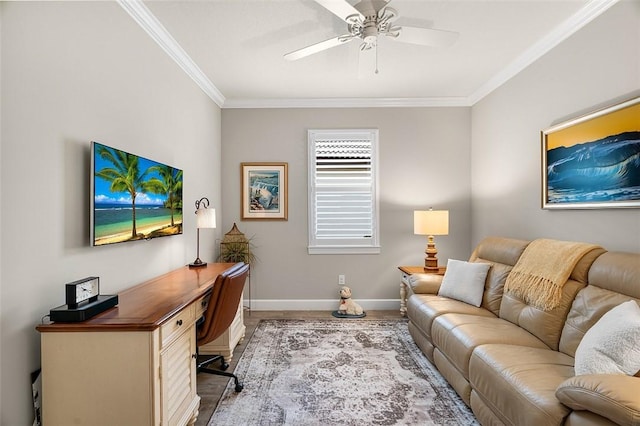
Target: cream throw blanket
544,267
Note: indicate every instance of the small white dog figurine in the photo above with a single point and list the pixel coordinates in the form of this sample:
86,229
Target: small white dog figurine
348,306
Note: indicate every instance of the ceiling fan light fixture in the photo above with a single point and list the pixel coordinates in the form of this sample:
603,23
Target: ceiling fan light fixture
393,32
353,19
371,19
386,15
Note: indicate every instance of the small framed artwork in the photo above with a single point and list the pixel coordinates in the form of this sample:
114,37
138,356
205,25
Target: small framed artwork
264,191
593,161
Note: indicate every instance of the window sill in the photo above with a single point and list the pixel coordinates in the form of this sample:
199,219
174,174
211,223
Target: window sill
344,250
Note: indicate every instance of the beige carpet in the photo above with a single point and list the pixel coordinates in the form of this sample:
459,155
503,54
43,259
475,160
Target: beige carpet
351,372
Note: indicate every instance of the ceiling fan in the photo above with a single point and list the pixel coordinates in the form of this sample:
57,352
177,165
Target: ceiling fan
369,19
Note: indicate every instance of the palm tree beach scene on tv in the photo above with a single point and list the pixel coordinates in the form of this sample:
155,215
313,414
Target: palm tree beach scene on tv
133,198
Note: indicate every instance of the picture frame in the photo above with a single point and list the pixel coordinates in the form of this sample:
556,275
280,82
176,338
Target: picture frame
264,191
590,162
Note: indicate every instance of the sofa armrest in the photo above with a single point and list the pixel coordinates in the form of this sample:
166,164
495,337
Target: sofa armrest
425,283
616,397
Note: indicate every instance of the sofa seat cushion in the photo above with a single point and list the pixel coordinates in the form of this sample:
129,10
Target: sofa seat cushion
587,418
457,335
519,383
422,309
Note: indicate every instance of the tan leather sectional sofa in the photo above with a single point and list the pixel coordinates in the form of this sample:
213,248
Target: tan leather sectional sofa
512,363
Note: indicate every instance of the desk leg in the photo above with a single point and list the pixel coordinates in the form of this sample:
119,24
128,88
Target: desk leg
403,299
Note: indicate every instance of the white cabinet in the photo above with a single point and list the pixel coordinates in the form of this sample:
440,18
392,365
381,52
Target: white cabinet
123,378
179,400
134,364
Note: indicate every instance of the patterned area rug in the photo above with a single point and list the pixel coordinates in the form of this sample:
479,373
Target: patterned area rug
355,372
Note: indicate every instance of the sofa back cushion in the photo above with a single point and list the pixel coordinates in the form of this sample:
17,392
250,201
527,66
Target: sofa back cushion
613,279
502,254
547,325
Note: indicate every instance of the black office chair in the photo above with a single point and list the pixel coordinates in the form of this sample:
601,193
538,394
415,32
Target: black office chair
220,313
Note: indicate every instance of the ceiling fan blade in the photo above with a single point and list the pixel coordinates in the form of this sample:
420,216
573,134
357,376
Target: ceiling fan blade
318,47
426,36
341,8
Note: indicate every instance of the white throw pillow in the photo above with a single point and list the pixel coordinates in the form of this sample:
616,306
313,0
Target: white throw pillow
611,345
464,281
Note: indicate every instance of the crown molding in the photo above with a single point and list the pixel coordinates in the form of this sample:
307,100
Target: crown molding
588,13
348,103
143,16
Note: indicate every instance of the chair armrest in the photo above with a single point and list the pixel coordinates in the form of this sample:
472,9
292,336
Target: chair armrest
425,283
616,397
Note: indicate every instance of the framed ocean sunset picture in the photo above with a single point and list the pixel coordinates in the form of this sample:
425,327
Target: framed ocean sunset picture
593,161
132,197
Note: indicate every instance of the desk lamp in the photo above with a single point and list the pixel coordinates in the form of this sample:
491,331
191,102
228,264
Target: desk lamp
431,222
205,218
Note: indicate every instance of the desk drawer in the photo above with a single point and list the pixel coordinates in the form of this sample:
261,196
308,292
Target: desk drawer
177,324
405,278
201,306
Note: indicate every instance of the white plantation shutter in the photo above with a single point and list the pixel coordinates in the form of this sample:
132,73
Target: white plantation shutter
343,202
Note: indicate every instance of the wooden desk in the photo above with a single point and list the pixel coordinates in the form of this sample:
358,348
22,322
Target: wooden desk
133,364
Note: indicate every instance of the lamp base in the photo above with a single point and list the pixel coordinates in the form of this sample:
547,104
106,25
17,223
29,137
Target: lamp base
432,269
197,263
431,258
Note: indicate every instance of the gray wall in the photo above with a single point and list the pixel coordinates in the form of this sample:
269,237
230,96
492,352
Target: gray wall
597,66
424,161
71,73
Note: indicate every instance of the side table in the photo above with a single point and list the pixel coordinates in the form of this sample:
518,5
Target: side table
407,271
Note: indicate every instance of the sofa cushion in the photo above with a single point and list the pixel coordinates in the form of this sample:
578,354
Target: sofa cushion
519,383
587,418
482,412
421,340
499,250
613,278
422,309
458,382
618,272
588,307
502,253
581,271
545,325
612,345
457,335
548,325
464,281
612,396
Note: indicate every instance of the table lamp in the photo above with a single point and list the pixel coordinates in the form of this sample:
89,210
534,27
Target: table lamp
205,218
431,222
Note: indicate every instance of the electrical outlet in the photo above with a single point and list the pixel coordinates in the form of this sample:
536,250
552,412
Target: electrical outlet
341,280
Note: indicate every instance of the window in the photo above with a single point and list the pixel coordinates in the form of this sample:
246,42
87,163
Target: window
343,191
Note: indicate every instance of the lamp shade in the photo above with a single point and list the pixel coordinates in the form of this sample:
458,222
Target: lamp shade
431,222
206,218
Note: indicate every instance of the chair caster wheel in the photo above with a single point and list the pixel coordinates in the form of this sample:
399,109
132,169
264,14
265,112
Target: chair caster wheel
239,387
224,366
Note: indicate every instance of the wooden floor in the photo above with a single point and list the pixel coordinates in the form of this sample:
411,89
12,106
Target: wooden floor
210,387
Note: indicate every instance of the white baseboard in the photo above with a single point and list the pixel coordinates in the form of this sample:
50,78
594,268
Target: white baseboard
319,305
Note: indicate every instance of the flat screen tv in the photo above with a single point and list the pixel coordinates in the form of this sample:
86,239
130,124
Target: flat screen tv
132,197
